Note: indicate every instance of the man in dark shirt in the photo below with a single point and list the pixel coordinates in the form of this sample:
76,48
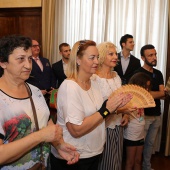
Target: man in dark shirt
59,68
152,115
127,63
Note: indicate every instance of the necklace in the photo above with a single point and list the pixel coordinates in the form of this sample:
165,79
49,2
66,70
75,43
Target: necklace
112,86
84,83
92,98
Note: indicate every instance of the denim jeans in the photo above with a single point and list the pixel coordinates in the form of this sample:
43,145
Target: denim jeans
152,124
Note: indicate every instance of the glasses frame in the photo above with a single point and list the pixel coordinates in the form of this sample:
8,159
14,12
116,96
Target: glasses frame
35,46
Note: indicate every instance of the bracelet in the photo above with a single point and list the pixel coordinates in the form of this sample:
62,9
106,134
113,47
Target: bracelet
104,112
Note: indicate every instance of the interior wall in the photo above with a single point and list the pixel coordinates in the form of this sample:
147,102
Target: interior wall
19,3
24,21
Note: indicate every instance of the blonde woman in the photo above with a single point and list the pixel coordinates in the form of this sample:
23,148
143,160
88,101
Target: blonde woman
109,81
82,109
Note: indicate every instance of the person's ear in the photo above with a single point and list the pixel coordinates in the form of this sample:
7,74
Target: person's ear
78,61
143,58
60,53
123,44
3,65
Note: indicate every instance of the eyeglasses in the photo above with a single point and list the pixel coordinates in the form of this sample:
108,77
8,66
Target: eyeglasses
34,46
80,44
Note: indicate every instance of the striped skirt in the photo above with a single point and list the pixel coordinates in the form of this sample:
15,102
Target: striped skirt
111,158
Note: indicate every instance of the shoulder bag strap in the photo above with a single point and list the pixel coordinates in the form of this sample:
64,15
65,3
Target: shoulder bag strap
33,108
36,123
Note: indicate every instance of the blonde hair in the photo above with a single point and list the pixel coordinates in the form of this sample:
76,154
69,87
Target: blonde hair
77,51
103,49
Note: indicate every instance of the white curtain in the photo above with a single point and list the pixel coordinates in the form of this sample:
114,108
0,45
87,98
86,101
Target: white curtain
108,20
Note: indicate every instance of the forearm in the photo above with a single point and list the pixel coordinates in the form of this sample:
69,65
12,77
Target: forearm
57,143
89,124
14,150
157,94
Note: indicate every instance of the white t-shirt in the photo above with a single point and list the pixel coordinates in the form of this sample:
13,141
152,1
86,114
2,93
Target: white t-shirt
73,105
108,86
135,129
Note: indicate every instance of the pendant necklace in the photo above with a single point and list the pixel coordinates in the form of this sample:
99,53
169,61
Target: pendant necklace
114,84
84,83
92,98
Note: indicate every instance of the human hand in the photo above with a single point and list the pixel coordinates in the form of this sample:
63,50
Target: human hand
126,99
117,101
68,152
166,92
125,120
52,133
43,92
50,90
140,112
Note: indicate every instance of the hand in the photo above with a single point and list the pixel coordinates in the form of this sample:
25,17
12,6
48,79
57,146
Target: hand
166,92
68,152
140,112
52,133
126,99
116,101
125,120
49,91
43,92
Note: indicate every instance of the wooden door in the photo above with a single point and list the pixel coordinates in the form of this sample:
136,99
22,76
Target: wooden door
24,21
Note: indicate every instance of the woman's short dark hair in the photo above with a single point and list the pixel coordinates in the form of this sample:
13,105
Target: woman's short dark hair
9,43
140,79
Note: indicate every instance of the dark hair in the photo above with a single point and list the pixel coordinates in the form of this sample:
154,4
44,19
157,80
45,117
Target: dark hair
146,47
63,45
9,43
124,39
140,79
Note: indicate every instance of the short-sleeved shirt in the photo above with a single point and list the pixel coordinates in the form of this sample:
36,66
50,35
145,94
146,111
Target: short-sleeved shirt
16,122
156,81
107,87
135,128
73,105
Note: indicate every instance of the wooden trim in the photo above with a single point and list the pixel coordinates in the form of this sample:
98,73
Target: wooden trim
21,11
19,3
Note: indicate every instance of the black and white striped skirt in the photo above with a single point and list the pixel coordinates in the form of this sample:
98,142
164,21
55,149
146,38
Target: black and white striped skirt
111,158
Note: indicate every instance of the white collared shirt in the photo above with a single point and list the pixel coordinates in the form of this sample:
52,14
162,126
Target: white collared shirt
64,67
124,62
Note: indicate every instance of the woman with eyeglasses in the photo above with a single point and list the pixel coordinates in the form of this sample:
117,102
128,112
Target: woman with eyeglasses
109,81
82,109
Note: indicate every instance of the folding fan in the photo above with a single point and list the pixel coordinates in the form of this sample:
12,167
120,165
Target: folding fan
141,97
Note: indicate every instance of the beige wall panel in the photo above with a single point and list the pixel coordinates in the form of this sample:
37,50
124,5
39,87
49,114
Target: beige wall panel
19,3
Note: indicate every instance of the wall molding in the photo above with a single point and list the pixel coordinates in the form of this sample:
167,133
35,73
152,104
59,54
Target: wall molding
20,3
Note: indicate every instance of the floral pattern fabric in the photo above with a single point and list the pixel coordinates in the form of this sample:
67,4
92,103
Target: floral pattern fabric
16,122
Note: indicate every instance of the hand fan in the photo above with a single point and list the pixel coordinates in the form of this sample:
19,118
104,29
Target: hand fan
141,97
